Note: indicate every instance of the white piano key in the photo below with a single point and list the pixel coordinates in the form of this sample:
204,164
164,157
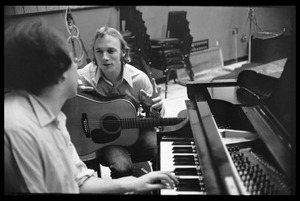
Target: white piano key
188,176
174,192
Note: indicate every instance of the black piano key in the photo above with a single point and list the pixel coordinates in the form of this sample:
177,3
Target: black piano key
182,143
179,156
188,185
188,182
183,157
185,171
190,188
182,150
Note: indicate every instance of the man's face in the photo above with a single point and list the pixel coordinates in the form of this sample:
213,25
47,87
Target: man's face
72,79
108,54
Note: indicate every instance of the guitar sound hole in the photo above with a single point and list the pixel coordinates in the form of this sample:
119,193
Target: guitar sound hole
111,124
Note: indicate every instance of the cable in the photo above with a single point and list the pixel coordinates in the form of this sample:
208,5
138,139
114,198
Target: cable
71,27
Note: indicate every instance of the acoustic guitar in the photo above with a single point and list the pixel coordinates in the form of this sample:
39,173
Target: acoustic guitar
95,123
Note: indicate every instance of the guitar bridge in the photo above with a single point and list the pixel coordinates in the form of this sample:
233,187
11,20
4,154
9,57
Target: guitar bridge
85,125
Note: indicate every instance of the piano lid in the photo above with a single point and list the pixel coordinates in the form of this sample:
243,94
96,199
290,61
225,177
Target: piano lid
272,116
277,96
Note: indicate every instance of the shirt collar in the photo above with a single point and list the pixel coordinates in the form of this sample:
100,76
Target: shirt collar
43,113
126,75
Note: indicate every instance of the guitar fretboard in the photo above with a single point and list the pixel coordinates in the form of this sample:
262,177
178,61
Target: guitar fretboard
142,122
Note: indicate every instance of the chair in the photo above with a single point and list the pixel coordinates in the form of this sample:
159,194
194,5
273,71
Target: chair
172,53
136,36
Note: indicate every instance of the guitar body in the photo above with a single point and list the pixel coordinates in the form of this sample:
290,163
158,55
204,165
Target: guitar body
85,117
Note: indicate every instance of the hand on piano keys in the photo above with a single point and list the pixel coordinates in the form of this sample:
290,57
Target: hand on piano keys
181,158
155,180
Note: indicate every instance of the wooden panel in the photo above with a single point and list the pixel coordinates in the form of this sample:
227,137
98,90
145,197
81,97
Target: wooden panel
18,10
220,156
211,178
30,9
271,132
53,8
41,8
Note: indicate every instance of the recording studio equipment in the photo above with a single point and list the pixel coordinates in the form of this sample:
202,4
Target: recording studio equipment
278,46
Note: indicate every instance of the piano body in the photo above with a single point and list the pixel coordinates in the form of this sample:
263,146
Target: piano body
258,160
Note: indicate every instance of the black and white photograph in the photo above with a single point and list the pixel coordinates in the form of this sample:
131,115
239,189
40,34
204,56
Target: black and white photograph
150,100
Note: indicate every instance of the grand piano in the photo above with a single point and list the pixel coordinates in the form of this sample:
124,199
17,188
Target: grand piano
240,138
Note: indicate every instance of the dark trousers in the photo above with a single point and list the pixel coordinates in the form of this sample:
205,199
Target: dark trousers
120,159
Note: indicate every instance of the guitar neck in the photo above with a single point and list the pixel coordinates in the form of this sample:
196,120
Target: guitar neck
144,122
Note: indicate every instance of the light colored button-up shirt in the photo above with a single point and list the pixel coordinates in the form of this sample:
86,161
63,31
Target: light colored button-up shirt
39,155
132,81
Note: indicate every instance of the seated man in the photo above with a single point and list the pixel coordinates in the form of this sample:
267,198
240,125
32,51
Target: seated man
109,74
38,154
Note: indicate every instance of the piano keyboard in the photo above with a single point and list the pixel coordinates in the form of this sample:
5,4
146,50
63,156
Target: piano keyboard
180,157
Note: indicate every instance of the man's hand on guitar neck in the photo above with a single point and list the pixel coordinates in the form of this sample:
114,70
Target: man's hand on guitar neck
154,101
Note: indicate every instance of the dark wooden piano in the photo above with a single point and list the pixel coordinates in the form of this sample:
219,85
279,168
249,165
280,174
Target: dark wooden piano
239,140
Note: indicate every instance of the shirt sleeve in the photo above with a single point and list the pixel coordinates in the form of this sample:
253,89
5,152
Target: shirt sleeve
148,85
82,172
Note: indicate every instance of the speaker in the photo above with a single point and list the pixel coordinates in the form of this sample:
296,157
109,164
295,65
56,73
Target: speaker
265,50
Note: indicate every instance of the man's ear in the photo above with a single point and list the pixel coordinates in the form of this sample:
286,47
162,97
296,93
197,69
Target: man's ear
123,54
63,77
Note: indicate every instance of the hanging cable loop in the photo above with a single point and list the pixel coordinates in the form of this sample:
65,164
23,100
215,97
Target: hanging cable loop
71,39
74,29
74,37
